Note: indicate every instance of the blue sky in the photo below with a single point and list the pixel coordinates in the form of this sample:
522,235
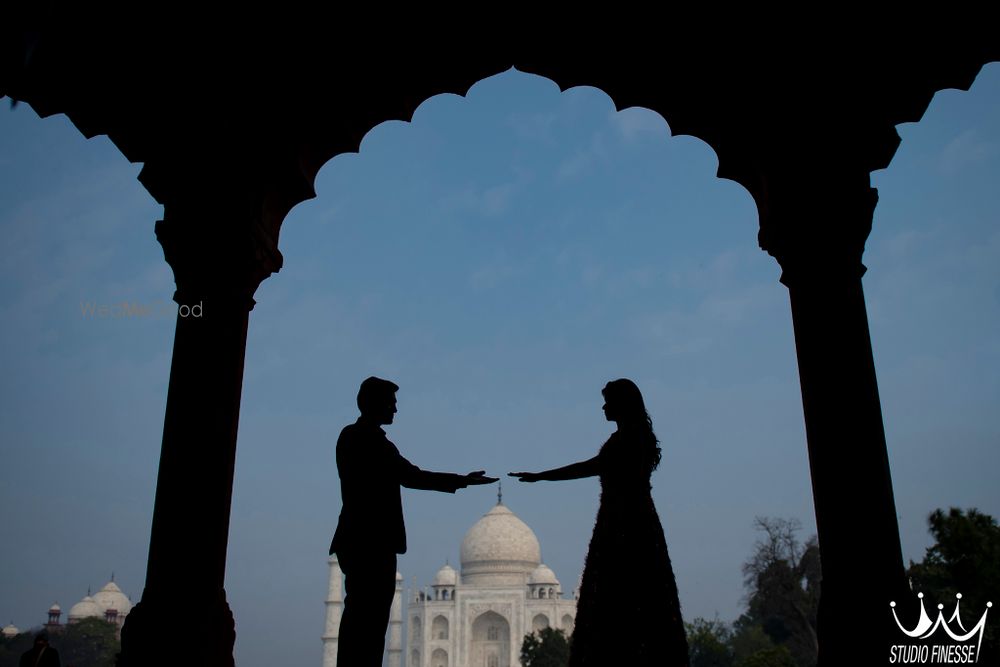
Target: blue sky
501,258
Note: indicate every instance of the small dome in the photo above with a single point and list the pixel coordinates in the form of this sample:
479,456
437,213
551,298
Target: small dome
55,607
543,574
446,576
111,597
399,577
10,631
85,608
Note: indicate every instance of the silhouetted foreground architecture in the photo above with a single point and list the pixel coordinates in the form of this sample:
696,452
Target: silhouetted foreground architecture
233,123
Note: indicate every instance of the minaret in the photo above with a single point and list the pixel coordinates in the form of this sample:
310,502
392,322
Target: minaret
334,607
396,625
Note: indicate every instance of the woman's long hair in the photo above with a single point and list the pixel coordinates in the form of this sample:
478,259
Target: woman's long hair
627,399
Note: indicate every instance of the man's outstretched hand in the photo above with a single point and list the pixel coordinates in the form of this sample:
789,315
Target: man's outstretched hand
479,477
525,476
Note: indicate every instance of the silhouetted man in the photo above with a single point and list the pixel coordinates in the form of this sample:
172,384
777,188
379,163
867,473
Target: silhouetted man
370,532
41,654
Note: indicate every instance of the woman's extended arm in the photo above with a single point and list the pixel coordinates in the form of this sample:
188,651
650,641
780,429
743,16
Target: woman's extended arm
588,468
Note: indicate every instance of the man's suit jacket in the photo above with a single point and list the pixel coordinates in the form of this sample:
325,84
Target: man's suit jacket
371,473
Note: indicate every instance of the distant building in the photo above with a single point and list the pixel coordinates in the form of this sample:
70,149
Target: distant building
108,604
477,617
55,611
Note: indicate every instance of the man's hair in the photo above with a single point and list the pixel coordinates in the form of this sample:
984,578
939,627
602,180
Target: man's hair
375,391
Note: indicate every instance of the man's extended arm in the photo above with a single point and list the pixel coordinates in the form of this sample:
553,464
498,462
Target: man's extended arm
413,477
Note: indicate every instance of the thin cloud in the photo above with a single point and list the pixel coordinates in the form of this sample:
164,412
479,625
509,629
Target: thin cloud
720,271
638,123
533,126
491,201
583,160
964,151
497,272
574,166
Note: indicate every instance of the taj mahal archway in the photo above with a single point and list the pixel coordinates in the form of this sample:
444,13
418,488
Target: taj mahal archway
491,641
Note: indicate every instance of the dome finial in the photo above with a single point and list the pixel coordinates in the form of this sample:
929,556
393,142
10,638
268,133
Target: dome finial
500,492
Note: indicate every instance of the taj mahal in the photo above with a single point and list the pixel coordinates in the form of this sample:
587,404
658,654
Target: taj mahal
477,616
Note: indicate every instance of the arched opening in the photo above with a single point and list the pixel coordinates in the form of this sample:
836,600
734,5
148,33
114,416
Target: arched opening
567,624
539,622
439,628
439,658
490,641
509,226
416,629
931,286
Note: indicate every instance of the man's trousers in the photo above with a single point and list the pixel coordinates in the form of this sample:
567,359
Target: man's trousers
370,583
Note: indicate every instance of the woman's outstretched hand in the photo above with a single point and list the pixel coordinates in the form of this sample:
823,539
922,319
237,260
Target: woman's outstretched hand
525,476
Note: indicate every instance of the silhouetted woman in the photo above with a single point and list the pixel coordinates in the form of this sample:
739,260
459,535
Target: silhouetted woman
628,612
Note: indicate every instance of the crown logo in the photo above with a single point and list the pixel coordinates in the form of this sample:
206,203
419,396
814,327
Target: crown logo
926,627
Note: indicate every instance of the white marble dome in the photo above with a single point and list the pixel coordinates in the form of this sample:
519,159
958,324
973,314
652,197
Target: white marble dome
499,549
85,608
111,597
446,576
55,607
543,574
11,631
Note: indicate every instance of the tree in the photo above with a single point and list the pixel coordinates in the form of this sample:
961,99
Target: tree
782,579
965,558
709,643
748,640
546,648
11,648
775,656
89,642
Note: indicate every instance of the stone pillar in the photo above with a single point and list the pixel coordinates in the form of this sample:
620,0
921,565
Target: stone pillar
815,224
219,253
334,608
396,625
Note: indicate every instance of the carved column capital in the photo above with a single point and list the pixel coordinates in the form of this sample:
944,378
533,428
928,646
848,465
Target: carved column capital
218,250
816,225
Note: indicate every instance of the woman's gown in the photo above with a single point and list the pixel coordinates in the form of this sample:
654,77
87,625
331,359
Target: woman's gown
629,612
